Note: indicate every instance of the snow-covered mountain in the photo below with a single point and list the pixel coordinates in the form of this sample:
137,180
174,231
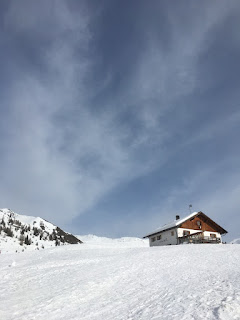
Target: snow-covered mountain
19,232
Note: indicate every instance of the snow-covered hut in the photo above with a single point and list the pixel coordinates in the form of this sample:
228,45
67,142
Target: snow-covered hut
194,228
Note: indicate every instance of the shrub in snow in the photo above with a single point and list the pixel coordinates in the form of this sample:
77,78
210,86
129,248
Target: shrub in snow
21,239
54,235
36,231
27,241
8,232
17,222
42,225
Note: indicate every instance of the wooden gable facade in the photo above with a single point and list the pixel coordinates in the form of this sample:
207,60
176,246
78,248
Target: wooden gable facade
201,222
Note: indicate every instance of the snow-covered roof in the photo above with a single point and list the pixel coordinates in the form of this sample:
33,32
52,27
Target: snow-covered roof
172,224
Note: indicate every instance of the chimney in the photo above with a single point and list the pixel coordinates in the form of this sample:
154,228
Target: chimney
177,217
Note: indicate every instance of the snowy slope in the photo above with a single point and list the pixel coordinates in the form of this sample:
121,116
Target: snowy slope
160,283
236,241
125,242
19,233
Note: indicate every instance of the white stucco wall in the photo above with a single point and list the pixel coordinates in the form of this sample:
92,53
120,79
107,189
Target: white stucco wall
180,231
166,238
207,234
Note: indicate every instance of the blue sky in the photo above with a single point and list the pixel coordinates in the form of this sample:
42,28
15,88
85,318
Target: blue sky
116,116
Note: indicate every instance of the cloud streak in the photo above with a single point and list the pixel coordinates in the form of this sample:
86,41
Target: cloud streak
95,100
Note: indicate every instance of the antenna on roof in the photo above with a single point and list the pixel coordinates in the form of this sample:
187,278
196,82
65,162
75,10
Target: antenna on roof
190,206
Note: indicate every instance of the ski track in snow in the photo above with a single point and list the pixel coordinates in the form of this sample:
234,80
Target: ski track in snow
86,282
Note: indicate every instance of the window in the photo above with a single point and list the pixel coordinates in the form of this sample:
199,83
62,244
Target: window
186,232
199,224
159,237
172,233
153,239
213,235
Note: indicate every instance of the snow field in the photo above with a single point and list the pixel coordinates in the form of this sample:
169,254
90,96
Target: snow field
83,282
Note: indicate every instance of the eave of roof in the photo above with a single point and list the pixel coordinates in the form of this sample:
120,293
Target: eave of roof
171,225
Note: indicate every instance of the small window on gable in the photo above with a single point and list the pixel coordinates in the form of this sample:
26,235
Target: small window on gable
199,224
159,237
172,233
186,232
153,239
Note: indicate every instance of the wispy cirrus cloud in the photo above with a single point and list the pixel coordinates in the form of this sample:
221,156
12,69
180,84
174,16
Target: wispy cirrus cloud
95,99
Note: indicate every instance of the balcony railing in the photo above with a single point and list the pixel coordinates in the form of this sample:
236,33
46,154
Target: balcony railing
198,238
